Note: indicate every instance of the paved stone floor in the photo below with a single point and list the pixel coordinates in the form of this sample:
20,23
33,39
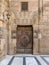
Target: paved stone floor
25,60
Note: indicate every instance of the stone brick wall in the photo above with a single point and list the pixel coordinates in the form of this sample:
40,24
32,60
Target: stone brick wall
30,17
44,29
3,30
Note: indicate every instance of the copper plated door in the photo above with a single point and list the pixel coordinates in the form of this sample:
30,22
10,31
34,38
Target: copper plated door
24,39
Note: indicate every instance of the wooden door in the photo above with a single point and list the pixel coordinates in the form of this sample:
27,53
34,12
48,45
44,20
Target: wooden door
24,39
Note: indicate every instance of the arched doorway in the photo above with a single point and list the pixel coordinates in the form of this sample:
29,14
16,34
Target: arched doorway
24,43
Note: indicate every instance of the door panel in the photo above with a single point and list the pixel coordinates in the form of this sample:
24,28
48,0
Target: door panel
24,39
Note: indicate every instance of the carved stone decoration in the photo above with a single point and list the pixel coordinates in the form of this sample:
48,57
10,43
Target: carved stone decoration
1,33
35,33
13,34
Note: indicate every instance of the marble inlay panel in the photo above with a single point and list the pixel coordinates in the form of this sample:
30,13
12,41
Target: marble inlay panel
17,61
31,61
